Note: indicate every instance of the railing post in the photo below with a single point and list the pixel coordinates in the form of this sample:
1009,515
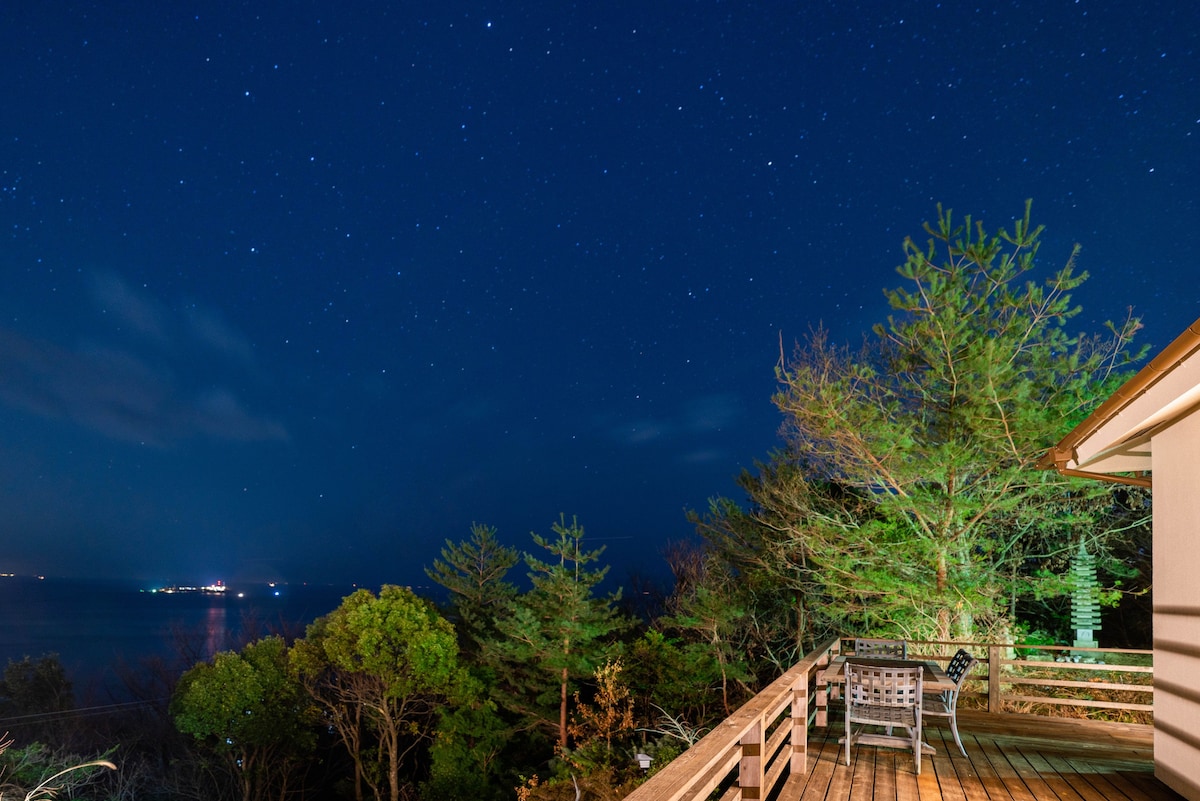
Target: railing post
822,699
798,764
823,686
993,678
750,769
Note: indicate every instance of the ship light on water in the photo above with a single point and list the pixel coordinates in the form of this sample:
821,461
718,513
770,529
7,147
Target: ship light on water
218,588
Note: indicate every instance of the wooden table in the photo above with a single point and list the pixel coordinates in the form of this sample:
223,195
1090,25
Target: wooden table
833,678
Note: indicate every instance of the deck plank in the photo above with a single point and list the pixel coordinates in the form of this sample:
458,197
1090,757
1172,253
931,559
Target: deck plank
824,756
884,778
1060,785
1026,783
990,783
1009,758
948,787
862,767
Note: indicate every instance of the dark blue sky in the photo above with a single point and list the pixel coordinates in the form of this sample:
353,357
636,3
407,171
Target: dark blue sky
300,290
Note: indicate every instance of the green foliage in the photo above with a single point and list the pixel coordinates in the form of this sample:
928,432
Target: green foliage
474,572
770,634
34,687
555,634
38,773
380,668
712,614
663,674
906,499
248,708
465,754
36,690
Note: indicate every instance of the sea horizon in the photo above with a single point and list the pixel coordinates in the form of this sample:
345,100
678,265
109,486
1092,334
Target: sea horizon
100,628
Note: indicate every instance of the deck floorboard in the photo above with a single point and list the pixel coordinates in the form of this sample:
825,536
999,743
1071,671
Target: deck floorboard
1009,758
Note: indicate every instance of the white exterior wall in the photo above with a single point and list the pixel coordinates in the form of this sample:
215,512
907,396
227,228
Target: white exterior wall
1177,606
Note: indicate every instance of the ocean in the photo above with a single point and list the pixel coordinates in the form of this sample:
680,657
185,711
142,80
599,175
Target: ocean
98,629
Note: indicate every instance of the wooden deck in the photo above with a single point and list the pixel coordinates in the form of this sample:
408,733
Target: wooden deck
1017,757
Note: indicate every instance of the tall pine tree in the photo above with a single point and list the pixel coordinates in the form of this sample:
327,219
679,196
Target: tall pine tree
475,573
906,497
557,633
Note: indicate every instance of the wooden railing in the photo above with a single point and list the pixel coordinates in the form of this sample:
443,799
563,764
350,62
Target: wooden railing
752,752
1100,683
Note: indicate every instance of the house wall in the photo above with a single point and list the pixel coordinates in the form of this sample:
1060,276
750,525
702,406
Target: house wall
1177,606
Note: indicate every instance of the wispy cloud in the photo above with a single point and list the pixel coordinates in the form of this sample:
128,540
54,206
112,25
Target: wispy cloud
138,390
220,414
705,456
712,412
699,416
209,329
640,431
142,314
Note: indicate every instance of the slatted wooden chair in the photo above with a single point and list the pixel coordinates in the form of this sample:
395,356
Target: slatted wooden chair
945,703
884,696
888,649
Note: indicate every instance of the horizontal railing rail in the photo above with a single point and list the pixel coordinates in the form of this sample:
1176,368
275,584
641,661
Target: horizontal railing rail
751,753
1097,683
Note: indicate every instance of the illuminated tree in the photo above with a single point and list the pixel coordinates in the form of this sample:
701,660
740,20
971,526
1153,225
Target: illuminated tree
247,708
471,736
555,634
474,572
605,724
381,668
906,497
711,617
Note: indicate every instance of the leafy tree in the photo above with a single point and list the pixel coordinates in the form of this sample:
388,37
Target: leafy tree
664,680
600,728
380,668
731,620
466,754
906,497
35,686
36,689
711,617
249,709
556,633
474,572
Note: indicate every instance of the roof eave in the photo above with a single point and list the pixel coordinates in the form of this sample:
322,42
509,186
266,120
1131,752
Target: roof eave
1060,456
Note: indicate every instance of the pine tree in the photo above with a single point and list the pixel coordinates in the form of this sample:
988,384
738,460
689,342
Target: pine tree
556,633
474,572
906,498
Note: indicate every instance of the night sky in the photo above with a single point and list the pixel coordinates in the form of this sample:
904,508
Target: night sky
297,291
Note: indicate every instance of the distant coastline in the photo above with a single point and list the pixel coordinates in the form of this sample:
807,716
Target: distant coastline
207,589
97,625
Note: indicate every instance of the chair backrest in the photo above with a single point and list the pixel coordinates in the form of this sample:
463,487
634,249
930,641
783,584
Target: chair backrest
960,664
890,649
877,685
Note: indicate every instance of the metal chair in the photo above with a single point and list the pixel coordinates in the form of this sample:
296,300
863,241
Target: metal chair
945,703
884,696
888,649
